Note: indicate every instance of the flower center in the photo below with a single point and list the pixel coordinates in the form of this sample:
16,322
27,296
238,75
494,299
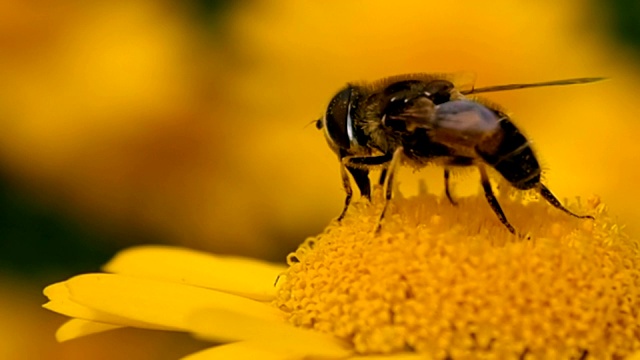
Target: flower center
453,282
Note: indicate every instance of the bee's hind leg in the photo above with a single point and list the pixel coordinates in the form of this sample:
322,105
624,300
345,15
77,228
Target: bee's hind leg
547,195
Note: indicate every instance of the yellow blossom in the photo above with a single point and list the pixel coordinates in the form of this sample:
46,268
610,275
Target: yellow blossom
439,281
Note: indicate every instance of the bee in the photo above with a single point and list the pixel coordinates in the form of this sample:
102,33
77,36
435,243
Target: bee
422,119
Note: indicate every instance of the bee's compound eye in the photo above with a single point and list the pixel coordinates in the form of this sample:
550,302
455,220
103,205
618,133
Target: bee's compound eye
338,118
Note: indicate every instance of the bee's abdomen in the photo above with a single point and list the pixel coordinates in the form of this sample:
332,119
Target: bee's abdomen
513,157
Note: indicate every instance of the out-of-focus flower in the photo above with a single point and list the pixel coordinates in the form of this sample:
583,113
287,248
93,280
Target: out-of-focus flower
438,281
126,113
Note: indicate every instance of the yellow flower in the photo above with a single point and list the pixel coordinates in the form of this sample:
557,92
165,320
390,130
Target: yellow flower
438,282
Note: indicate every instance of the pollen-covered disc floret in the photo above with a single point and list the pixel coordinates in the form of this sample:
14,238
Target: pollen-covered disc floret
452,282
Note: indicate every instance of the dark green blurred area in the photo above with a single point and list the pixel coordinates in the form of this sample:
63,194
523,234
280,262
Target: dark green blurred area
211,12
625,21
40,244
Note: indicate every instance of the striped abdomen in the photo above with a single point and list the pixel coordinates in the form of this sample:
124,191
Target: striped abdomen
511,155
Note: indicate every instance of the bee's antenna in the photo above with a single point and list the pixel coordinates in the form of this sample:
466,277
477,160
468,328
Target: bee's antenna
540,84
318,123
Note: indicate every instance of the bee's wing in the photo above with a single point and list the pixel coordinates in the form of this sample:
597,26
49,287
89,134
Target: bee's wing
530,85
463,80
459,124
466,118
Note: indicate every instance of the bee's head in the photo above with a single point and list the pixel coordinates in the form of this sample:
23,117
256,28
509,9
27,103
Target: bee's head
338,121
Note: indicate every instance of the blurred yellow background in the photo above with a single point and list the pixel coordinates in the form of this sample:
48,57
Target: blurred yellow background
138,121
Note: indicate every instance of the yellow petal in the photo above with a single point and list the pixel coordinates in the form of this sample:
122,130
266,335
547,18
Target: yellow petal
159,303
61,302
249,278
400,356
76,328
239,350
228,325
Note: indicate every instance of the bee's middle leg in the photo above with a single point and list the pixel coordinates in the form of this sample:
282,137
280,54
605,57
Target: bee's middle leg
491,198
454,161
447,191
383,176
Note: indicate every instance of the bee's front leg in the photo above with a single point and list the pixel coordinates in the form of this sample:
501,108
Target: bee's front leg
388,183
346,183
358,167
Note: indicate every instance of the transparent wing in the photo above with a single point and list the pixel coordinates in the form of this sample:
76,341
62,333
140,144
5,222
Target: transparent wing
530,85
463,80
